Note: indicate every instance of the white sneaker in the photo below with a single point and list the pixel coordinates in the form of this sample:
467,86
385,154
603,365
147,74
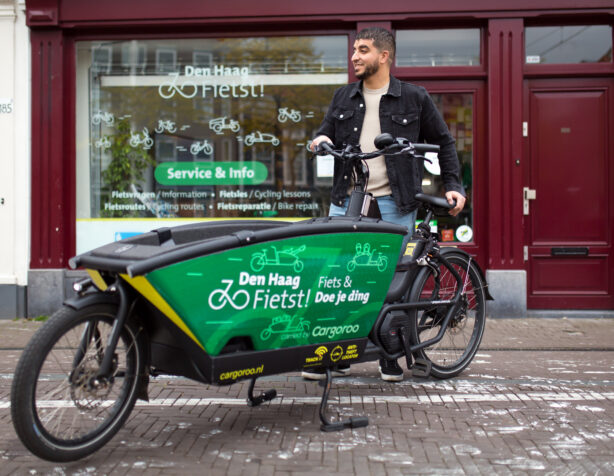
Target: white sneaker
390,371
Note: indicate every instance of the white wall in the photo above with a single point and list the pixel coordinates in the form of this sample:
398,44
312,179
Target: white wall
15,83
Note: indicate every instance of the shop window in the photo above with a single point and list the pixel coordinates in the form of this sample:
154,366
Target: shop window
200,128
457,110
568,44
441,47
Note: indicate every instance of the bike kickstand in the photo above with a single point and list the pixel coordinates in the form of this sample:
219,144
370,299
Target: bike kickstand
263,397
327,425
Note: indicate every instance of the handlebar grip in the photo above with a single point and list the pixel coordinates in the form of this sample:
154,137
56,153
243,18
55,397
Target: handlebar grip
422,148
323,148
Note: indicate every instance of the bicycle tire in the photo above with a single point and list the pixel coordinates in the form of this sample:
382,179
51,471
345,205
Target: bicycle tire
455,351
57,413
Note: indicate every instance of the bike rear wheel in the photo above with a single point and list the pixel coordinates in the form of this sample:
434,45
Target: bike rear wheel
60,411
453,353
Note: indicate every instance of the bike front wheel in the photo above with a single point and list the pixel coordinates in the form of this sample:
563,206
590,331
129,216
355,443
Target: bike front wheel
60,409
463,334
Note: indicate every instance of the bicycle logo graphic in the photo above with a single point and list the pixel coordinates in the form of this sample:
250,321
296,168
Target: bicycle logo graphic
165,126
168,89
286,257
218,125
205,147
136,140
260,137
366,257
287,326
283,115
103,143
220,297
105,117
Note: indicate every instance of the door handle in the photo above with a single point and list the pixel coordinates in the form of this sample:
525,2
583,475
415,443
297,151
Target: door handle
527,194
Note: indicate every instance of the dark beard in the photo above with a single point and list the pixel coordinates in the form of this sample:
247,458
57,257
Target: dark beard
370,70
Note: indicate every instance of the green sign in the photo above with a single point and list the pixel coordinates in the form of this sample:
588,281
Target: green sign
296,291
211,173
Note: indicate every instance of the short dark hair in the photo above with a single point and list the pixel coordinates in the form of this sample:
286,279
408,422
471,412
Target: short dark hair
382,39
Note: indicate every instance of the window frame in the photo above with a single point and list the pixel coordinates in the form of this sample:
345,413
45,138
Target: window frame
478,246
566,69
444,72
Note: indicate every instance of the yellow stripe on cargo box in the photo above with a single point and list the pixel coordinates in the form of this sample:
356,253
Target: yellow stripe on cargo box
144,287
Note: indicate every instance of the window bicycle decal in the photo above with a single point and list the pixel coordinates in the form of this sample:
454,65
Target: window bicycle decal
168,125
187,89
145,140
203,146
101,116
283,115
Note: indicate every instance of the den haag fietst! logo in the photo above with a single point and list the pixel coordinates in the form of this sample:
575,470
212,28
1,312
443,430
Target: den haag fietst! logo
275,281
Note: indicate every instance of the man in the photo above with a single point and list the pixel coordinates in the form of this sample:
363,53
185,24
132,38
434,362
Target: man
381,103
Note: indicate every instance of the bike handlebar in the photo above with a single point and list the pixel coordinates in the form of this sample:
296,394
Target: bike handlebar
423,148
386,145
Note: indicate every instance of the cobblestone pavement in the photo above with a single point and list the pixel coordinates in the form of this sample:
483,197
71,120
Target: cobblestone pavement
537,399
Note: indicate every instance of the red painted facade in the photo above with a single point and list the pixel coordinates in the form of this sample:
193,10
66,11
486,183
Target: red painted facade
501,82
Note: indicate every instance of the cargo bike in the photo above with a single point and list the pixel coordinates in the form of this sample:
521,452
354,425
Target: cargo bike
219,302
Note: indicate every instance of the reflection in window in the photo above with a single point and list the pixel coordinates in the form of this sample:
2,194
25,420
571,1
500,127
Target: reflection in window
568,44
102,58
457,111
133,56
166,60
203,127
450,47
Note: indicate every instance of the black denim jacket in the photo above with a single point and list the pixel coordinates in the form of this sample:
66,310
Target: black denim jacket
406,110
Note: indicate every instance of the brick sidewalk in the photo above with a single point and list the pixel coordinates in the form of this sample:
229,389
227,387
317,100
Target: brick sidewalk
514,411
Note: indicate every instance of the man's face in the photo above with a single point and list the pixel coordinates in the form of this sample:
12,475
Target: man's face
366,59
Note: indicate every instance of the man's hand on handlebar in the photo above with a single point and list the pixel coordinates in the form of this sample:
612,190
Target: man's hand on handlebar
317,142
460,202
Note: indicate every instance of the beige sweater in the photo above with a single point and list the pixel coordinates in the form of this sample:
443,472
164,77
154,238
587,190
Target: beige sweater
378,176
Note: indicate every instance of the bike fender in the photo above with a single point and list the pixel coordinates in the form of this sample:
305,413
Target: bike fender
91,298
446,250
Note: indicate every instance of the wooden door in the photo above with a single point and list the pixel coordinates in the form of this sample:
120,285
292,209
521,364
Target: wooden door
570,220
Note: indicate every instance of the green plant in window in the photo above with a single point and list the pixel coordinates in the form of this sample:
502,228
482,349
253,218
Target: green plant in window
126,168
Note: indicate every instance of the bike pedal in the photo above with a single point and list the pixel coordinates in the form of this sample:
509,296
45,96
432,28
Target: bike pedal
421,368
